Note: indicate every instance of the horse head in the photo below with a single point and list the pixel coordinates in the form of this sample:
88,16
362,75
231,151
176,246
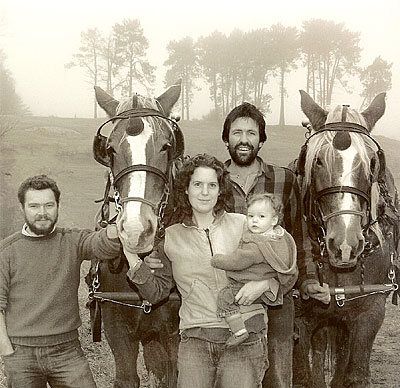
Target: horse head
342,164
140,151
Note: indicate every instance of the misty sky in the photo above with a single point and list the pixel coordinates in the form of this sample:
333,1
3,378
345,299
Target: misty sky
39,37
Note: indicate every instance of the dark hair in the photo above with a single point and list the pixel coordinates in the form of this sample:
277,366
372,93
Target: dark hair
38,182
245,110
183,179
274,200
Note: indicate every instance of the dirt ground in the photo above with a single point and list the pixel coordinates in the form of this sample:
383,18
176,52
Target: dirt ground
61,148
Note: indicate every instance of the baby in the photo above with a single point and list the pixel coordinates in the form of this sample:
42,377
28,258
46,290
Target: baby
266,252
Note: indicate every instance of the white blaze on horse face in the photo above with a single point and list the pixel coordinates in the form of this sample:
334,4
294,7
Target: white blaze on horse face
346,179
137,184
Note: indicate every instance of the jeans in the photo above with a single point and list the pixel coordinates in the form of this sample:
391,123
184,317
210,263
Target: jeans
280,344
203,364
62,366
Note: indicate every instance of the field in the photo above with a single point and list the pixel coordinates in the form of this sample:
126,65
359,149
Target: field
61,148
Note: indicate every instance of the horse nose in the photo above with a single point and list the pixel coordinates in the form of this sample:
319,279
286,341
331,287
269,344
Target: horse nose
138,230
345,249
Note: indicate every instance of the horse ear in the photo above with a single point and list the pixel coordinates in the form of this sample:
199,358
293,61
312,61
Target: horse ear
108,103
313,111
170,97
375,110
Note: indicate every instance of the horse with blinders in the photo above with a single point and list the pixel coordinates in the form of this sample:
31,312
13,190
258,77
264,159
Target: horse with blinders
141,153
352,212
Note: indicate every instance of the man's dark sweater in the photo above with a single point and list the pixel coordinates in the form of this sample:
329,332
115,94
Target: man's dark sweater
39,279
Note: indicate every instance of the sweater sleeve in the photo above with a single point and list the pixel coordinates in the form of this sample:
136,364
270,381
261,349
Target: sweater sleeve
156,286
4,279
96,245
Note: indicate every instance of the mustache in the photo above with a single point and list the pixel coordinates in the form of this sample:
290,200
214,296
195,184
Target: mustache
42,218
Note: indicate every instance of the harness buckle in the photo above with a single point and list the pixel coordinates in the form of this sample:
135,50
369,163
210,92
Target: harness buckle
340,296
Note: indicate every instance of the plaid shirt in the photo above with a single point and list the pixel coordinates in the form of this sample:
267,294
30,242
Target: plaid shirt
281,182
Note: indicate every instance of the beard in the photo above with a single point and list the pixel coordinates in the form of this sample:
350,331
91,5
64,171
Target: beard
242,160
42,230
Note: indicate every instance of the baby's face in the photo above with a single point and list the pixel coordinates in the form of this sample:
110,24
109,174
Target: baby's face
261,217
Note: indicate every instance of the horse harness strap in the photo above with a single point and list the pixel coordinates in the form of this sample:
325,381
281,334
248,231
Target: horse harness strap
340,126
100,142
136,113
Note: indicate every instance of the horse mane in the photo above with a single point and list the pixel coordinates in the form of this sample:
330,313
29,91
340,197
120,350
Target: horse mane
322,146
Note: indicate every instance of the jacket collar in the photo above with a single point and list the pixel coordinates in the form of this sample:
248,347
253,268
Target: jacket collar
189,223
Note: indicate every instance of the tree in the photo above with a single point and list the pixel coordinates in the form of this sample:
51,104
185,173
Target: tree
210,60
89,57
131,46
330,51
375,78
110,65
182,62
285,52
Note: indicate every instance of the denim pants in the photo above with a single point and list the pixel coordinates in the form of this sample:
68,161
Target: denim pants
280,344
62,366
203,364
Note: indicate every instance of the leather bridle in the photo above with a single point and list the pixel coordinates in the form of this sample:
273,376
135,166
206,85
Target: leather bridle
342,127
114,178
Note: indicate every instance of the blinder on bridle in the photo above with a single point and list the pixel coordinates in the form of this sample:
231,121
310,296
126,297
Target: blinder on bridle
312,203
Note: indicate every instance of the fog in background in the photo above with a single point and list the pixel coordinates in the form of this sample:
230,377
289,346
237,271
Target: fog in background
40,37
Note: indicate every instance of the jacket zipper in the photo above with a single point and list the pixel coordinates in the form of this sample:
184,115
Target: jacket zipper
209,240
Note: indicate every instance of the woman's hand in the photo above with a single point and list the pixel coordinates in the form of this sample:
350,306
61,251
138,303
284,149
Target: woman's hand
251,291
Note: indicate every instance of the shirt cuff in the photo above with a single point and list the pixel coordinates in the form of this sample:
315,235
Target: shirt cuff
139,274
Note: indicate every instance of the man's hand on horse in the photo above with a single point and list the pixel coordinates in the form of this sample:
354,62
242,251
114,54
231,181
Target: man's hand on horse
112,232
153,261
316,291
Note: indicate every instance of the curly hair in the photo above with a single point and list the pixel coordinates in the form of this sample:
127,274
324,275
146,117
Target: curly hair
183,179
275,202
38,182
244,110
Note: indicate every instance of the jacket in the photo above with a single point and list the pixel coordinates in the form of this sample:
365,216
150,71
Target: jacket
186,254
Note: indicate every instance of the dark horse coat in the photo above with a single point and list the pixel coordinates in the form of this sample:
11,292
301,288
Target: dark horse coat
351,321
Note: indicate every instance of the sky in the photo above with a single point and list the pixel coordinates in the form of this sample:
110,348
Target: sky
39,37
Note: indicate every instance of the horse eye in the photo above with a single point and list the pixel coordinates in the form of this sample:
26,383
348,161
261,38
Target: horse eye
318,162
166,147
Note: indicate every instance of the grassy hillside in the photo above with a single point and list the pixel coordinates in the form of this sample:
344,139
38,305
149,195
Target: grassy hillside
62,148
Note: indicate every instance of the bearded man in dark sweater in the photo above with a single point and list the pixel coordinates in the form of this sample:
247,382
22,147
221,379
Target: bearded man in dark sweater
39,280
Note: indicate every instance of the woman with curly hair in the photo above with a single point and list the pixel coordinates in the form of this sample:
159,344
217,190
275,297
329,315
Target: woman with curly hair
206,229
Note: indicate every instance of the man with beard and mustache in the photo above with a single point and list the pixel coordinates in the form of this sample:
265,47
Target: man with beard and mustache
244,135
39,280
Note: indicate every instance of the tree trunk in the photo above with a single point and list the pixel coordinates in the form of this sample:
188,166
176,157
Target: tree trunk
332,80
183,102
215,95
187,99
95,101
308,74
282,112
